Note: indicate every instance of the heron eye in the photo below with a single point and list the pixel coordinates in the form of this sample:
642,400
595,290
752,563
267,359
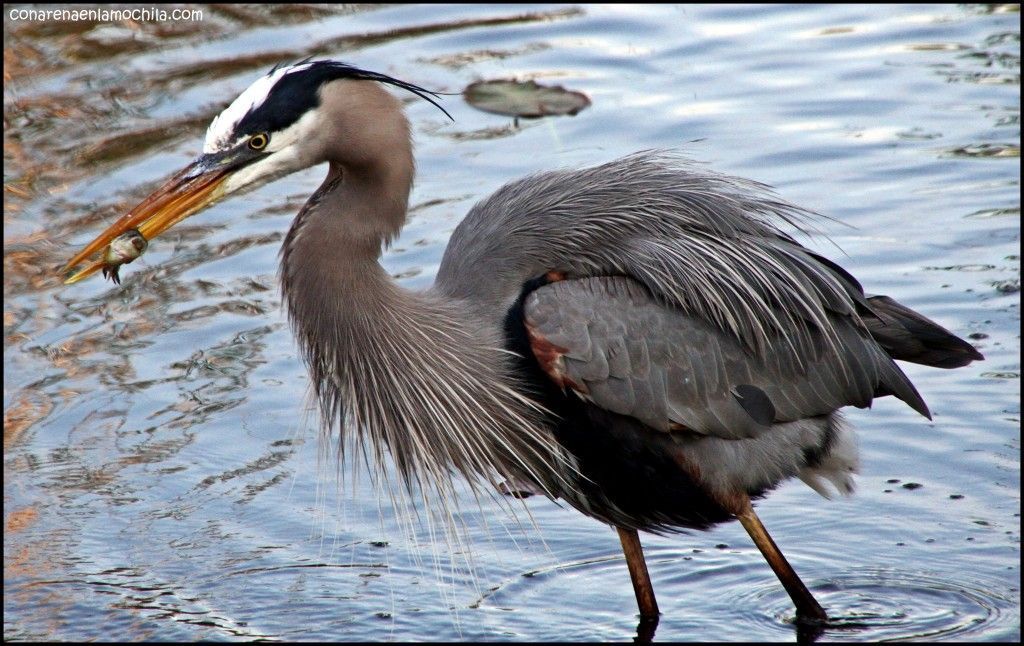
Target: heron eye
259,142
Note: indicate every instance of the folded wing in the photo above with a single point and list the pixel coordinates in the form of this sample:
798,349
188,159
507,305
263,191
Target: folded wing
611,342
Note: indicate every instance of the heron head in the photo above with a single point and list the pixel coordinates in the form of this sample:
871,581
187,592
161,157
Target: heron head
291,118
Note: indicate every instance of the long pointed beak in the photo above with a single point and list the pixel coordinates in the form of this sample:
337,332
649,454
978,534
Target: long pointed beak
196,186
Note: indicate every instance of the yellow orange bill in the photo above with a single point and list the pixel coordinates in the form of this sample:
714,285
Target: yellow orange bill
186,193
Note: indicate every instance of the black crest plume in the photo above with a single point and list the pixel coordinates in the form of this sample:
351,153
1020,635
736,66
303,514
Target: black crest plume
296,93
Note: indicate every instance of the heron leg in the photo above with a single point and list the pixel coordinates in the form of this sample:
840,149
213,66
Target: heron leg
807,608
638,573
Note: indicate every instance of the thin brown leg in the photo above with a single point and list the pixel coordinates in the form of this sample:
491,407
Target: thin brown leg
638,573
807,608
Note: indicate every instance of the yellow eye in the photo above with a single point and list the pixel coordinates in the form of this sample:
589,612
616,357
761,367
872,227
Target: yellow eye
259,142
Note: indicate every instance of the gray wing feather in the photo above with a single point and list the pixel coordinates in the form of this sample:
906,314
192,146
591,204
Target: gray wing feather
705,243
634,355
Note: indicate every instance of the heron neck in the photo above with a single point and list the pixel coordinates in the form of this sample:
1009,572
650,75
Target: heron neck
412,371
363,206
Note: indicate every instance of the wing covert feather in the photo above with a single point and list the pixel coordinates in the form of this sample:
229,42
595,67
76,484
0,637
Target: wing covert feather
634,355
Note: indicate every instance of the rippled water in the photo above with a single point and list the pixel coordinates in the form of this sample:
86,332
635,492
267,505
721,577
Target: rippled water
161,482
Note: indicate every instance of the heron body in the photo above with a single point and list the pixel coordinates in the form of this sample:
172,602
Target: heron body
639,339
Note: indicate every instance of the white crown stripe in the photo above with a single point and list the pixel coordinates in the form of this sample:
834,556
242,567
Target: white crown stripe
218,135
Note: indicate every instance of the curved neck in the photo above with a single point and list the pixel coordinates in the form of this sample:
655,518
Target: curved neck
339,234
365,198
413,372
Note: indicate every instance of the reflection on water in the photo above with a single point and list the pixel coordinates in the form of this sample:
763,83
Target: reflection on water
162,475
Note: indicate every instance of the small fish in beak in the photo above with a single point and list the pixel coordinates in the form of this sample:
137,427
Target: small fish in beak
194,188
122,250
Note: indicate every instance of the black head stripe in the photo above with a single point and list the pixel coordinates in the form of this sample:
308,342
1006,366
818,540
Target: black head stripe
297,92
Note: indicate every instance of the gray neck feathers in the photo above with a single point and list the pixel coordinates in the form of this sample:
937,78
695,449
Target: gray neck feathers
407,371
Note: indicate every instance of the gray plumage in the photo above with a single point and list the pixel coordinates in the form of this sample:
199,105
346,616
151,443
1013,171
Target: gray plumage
699,240
631,354
639,338
680,251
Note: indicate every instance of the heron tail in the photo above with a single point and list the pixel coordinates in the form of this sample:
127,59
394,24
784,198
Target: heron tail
908,336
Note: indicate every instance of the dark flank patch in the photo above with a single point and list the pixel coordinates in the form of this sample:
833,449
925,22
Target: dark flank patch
633,478
296,93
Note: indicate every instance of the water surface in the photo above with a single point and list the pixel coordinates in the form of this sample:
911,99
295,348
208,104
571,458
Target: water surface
162,472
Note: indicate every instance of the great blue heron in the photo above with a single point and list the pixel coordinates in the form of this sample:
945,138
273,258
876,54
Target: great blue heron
639,338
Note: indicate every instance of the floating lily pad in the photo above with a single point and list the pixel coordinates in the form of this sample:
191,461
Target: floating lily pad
523,98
